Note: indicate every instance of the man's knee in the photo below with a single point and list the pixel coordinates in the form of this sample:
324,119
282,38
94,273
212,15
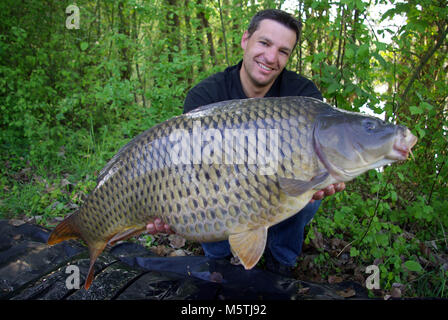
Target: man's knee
216,250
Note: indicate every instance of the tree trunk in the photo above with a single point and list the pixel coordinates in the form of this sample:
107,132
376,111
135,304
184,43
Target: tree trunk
207,29
123,28
173,24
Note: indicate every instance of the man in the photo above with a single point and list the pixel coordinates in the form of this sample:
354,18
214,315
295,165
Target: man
267,44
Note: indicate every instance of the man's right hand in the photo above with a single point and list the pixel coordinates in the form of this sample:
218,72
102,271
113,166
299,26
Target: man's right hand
158,226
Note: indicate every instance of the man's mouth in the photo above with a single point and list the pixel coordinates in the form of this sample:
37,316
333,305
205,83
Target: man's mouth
264,67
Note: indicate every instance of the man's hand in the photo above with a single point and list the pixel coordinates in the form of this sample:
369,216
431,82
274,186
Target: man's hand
328,191
158,226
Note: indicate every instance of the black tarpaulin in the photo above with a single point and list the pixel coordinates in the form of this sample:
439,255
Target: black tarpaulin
30,269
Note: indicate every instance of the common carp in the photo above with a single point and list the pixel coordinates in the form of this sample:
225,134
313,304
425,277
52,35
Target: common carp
231,170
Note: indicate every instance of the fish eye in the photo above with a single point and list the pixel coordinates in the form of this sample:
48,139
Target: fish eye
369,125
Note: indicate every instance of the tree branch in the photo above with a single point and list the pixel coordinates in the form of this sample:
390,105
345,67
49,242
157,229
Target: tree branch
440,39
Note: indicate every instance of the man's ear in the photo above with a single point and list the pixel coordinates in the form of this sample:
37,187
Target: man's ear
244,39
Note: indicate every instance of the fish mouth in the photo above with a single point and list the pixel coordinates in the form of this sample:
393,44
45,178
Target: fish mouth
403,146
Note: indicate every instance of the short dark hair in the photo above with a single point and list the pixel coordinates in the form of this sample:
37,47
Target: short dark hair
277,15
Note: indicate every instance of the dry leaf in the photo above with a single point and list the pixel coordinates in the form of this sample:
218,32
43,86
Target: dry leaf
16,222
177,253
176,241
304,290
378,261
318,241
338,243
424,249
395,293
161,250
347,293
431,244
334,279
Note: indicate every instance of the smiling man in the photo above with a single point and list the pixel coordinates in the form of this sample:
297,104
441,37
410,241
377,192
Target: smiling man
267,44
266,52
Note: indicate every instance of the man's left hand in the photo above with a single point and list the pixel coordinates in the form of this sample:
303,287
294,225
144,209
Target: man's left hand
328,191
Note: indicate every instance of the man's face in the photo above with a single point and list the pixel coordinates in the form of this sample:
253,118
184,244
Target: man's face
266,52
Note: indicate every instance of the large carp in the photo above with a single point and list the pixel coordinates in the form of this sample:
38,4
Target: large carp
230,170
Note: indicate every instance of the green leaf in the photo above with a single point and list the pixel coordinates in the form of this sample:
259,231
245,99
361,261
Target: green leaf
426,106
84,46
415,110
354,252
393,196
377,252
360,5
375,188
319,57
333,87
382,239
421,132
349,53
381,60
363,50
338,216
350,88
412,265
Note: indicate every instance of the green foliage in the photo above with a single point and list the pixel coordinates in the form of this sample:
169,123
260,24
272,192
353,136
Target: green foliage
69,99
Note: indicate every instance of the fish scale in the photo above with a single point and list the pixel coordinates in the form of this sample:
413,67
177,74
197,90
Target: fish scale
215,199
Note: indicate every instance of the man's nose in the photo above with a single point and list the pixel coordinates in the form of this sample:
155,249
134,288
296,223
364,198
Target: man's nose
271,55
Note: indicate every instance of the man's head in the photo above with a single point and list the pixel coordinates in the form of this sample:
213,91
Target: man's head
267,44
277,15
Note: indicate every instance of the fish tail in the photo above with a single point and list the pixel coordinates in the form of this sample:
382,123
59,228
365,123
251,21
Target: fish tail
66,230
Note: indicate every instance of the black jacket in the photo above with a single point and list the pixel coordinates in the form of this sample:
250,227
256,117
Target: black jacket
226,85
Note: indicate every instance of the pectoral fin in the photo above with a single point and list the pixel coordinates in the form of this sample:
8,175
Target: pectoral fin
296,187
249,246
126,234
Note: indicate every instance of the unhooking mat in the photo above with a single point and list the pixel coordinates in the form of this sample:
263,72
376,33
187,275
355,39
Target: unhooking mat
30,269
